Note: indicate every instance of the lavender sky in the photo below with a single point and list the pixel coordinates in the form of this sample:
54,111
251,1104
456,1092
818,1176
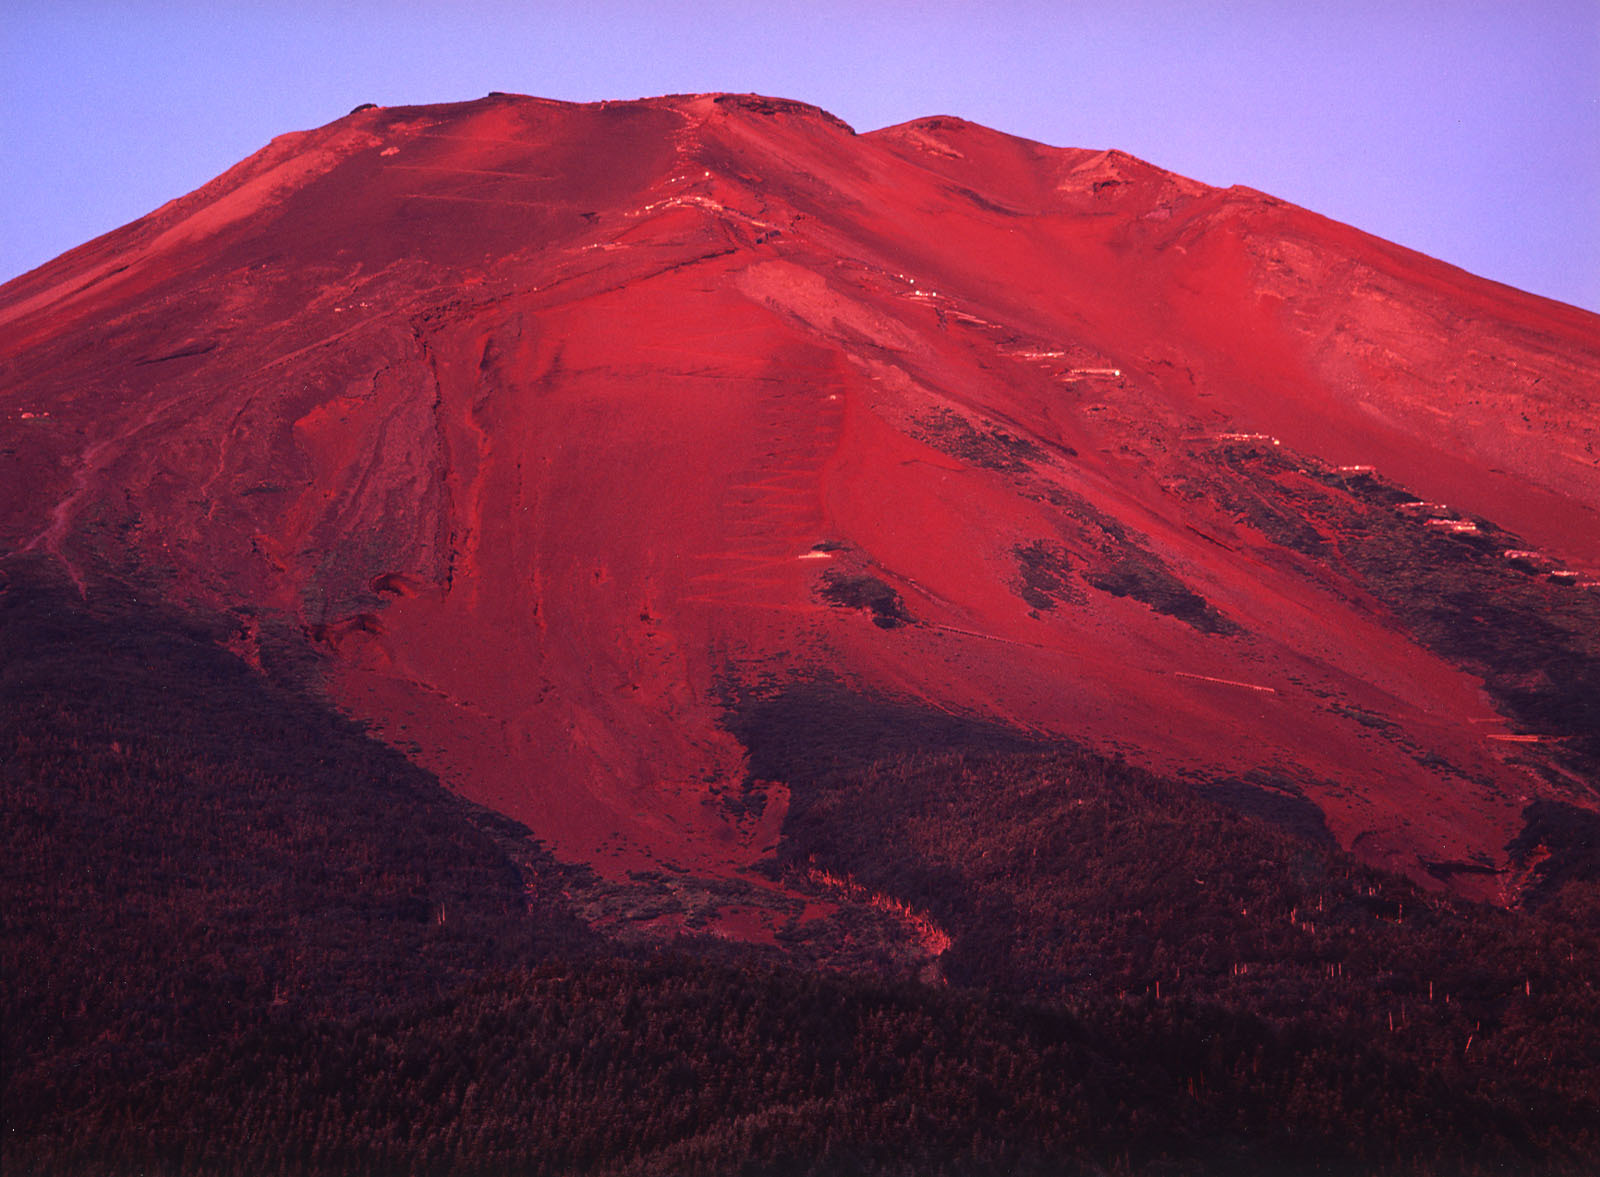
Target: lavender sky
1467,130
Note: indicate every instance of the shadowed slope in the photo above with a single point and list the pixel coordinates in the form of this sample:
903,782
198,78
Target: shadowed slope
240,937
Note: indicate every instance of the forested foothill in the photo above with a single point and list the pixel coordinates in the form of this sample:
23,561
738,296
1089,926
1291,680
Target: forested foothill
242,936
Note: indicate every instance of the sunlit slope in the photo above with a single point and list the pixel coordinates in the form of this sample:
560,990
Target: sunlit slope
556,428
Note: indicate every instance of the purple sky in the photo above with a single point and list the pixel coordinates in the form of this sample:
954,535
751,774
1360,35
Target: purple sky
1469,131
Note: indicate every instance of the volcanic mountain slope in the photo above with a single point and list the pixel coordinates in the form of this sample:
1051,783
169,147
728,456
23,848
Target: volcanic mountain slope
573,436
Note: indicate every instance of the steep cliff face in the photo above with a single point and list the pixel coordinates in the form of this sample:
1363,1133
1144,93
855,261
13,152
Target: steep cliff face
557,428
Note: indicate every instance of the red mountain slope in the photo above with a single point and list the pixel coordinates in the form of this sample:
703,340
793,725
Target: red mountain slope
556,425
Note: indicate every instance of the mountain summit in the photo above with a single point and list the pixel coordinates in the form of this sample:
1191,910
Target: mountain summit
580,449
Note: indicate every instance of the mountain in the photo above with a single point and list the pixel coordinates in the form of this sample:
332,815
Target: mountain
829,543
556,424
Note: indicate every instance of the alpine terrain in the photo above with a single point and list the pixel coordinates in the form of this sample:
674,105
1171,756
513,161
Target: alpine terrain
675,637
